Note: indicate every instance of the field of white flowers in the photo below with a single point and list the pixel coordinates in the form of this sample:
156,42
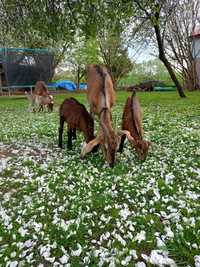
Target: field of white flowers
58,210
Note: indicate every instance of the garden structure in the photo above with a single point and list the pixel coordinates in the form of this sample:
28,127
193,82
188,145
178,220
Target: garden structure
23,67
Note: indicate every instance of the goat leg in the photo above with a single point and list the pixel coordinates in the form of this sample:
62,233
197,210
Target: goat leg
121,146
69,141
61,132
40,108
74,133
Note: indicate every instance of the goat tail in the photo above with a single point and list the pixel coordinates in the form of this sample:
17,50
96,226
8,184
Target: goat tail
136,114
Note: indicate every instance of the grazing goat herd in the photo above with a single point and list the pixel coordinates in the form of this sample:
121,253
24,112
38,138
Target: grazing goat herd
101,97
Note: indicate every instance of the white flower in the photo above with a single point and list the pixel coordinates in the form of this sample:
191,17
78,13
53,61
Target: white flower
125,213
197,261
64,259
120,239
28,243
169,178
13,254
140,264
126,260
13,264
112,264
160,243
22,231
133,253
159,259
140,236
169,232
77,252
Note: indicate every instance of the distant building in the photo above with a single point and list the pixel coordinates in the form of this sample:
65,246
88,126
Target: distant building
196,52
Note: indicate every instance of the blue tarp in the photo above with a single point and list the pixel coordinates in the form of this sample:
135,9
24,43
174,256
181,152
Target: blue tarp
67,85
83,86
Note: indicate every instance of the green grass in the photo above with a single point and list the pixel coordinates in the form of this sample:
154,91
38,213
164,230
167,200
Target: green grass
58,210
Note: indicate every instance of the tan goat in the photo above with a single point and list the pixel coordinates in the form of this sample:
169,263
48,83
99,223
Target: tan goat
132,122
101,97
37,102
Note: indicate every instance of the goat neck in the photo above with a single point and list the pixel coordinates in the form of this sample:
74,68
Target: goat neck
111,139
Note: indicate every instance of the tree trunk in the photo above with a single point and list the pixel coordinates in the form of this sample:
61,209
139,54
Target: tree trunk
78,79
163,58
172,75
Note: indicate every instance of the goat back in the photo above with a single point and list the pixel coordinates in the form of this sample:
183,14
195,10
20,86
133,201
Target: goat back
100,91
72,110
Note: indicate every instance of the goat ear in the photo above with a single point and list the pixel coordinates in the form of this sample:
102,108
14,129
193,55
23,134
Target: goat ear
89,146
137,114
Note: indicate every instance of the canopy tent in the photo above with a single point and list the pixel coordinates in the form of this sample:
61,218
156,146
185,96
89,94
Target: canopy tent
25,66
68,85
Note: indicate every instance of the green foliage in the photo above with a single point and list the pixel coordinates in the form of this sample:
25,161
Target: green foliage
84,52
64,75
38,24
148,70
115,55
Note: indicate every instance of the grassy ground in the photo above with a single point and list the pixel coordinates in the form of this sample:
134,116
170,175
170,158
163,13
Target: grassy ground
58,210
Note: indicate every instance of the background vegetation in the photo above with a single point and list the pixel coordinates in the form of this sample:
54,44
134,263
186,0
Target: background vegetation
82,32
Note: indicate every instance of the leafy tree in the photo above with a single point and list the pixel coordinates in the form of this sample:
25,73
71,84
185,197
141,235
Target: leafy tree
38,23
119,15
115,57
103,21
157,13
183,21
83,52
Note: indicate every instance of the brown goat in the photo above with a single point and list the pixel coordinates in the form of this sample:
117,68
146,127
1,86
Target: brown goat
77,117
101,97
132,122
100,92
41,89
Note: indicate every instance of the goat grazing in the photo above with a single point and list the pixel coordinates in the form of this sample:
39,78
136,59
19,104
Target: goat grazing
132,122
37,102
77,117
101,97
